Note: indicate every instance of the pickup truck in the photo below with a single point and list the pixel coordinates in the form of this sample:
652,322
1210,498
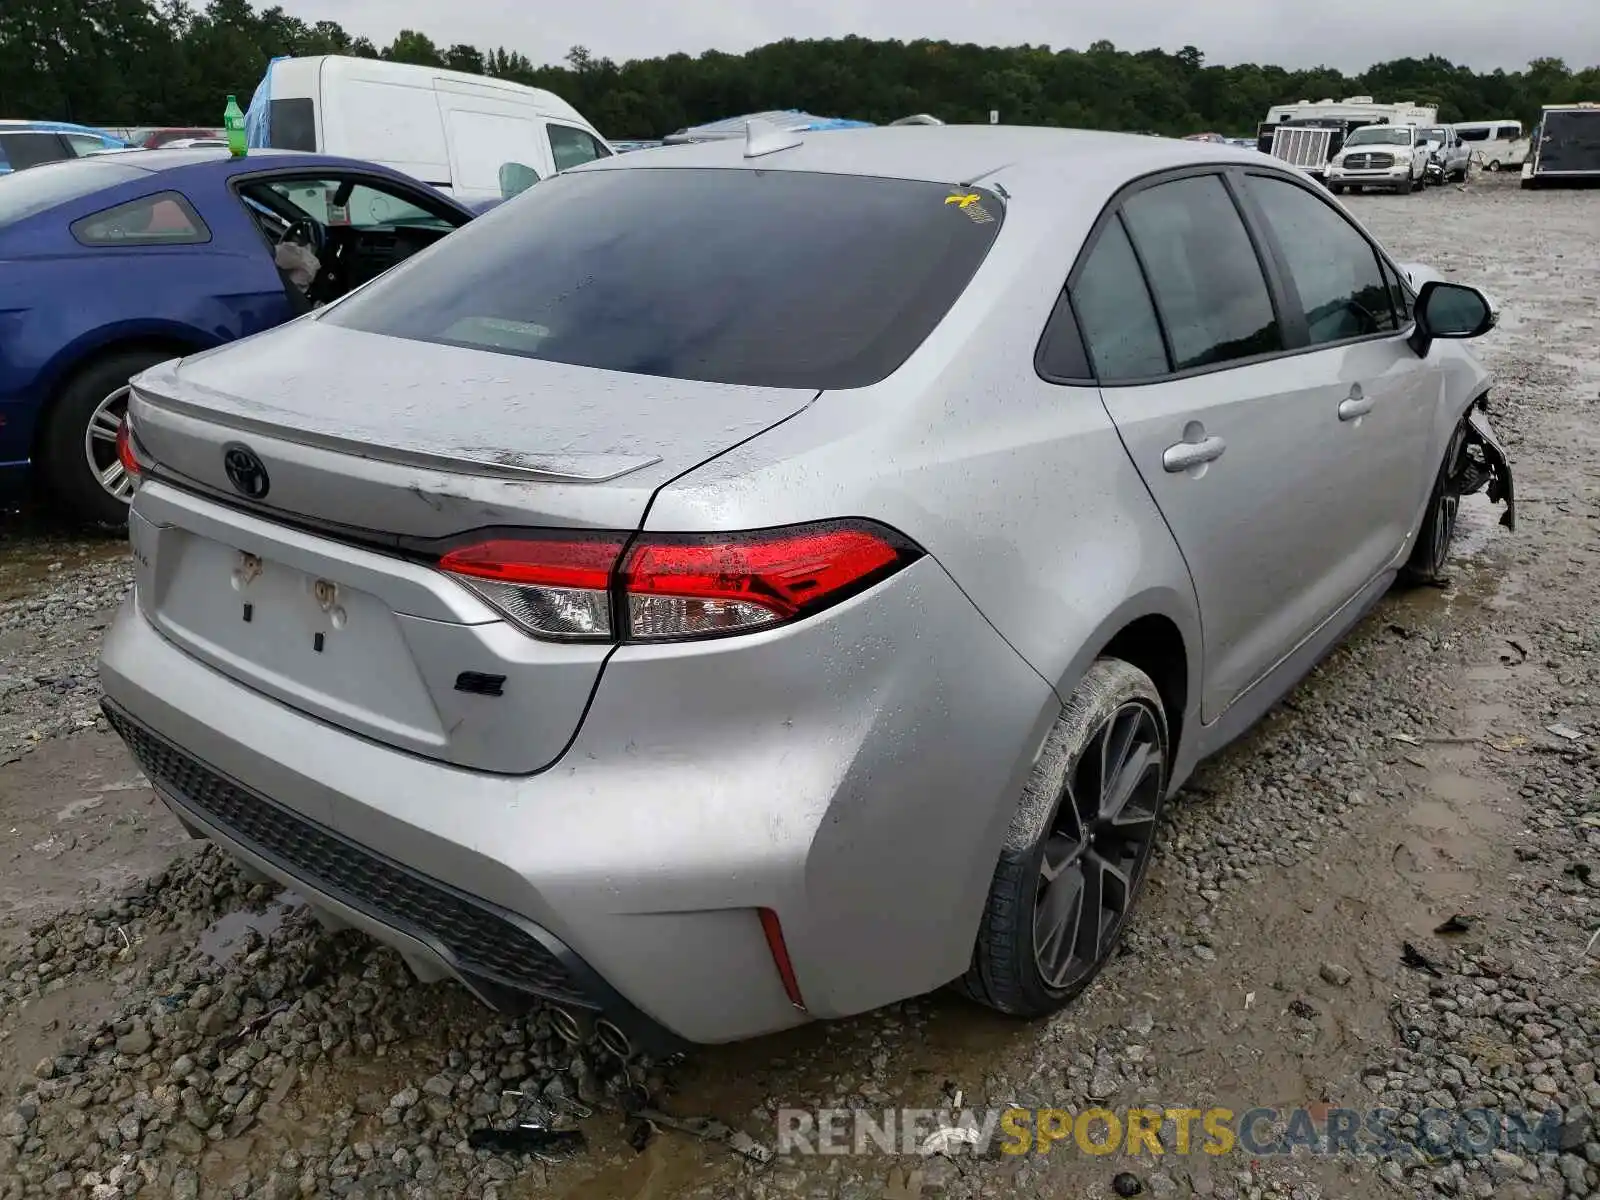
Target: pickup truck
1449,158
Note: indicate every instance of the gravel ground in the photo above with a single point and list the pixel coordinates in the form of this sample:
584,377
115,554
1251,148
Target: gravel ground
169,1027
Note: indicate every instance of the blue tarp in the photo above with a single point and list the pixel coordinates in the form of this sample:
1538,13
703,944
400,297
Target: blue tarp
789,118
258,117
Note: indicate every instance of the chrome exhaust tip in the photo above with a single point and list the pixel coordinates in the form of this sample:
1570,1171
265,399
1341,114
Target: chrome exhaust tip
570,1027
612,1040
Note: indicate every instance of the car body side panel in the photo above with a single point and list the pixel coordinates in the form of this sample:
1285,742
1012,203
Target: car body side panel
1020,488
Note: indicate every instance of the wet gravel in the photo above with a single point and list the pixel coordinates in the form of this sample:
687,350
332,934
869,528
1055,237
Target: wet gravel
1442,763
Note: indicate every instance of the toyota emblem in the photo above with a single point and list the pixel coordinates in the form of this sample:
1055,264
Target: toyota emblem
246,472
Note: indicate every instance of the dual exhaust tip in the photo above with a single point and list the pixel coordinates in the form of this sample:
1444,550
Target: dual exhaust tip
579,1028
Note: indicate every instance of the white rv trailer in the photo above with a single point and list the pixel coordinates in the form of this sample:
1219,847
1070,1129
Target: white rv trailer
1311,132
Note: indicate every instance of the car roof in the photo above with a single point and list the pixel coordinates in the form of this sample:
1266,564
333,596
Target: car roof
157,161
954,154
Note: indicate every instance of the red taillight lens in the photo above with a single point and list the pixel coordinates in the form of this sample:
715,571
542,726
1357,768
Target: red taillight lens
551,586
696,586
671,586
125,454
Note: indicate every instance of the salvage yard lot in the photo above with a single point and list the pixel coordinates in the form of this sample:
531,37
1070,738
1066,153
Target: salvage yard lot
1413,777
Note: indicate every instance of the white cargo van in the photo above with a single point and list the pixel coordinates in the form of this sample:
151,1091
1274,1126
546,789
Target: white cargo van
479,139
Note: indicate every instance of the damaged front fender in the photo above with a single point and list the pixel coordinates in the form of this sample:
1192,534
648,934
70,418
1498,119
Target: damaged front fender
1484,464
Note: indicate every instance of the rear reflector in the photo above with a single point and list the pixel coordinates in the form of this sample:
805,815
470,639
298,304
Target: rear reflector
670,587
780,957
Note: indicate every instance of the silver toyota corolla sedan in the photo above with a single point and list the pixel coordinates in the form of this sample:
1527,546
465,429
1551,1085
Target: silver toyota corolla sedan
745,583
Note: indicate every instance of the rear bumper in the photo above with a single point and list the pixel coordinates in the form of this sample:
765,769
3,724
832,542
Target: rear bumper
854,773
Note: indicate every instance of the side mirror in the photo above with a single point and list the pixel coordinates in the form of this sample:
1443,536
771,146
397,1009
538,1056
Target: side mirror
1450,310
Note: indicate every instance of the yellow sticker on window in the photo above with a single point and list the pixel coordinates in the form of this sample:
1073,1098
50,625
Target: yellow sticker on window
969,204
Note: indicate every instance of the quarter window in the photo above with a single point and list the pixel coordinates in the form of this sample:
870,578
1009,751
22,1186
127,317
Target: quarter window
1334,268
573,147
161,220
1203,269
1116,315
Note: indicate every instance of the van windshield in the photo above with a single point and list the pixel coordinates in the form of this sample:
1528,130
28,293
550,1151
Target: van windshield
765,278
1380,135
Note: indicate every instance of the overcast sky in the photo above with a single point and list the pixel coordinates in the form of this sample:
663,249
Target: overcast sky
1348,34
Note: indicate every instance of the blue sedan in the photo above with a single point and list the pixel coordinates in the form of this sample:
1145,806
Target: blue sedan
112,263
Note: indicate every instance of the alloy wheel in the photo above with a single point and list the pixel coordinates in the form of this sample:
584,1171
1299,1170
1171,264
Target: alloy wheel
1098,845
100,445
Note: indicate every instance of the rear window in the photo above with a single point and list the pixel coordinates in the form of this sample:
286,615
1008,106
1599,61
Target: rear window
28,192
23,150
292,125
767,278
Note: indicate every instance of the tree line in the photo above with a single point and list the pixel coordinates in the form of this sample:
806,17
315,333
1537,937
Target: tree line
161,62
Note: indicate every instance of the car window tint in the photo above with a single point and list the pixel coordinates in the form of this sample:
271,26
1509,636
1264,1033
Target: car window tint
573,147
365,207
292,124
1333,267
28,192
86,143
33,149
767,278
163,220
1208,283
1116,315
1398,295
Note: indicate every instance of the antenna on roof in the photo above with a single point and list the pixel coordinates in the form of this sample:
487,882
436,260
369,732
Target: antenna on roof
763,137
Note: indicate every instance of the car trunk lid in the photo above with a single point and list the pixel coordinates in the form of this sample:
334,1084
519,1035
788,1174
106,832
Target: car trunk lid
315,586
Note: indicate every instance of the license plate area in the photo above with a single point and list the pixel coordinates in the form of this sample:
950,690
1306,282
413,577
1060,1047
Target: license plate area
308,639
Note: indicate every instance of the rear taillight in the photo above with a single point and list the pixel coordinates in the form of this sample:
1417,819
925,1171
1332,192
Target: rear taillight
551,586
670,587
125,454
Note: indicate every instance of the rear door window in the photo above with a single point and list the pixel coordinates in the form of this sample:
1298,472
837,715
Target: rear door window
1116,314
571,147
768,278
1208,283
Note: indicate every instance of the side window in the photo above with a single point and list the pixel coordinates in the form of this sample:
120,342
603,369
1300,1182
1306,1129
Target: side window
1473,135
84,143
1208,283
1509,133
1398,295
161,220
1334,268
364,206
1115,313
573,147
292,124
516,178
32,149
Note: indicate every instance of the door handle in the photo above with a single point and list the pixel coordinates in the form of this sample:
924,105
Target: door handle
1356,405
1192,454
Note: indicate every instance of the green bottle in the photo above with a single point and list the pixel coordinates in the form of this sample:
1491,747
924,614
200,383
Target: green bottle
233,122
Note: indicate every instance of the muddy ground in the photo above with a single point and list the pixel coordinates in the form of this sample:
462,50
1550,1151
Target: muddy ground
1441,762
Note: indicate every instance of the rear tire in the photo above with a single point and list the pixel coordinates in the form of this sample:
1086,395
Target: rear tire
77,446
1336,188
1431,553
1493,165
1075,859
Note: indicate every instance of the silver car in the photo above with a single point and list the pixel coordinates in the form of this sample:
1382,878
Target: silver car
746,583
